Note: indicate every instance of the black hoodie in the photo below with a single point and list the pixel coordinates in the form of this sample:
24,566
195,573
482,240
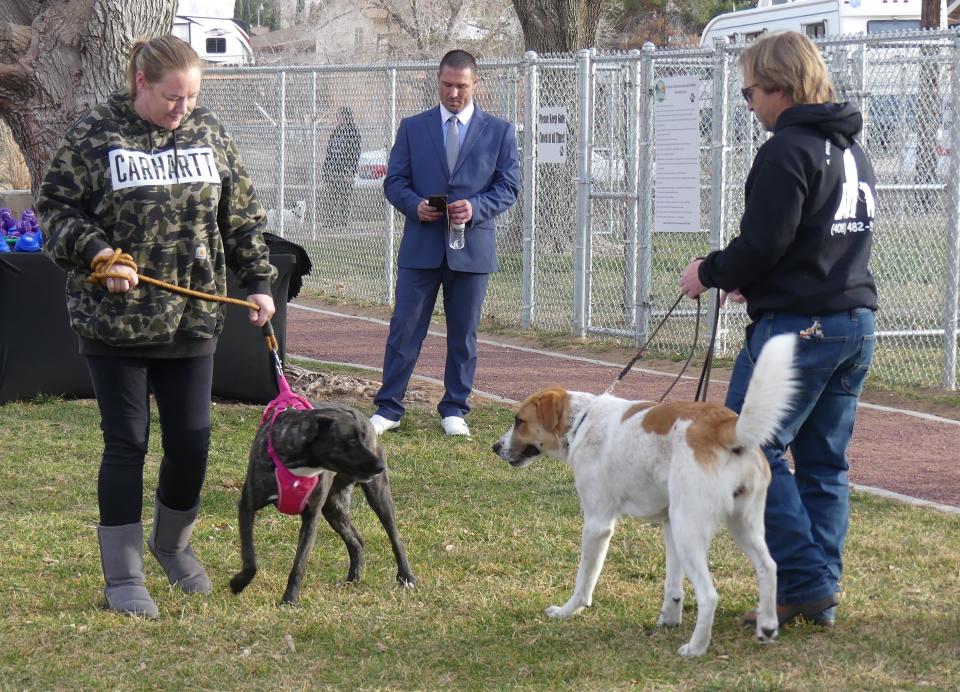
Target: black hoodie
806,232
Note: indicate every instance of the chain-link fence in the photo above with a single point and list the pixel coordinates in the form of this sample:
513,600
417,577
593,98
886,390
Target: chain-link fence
578,252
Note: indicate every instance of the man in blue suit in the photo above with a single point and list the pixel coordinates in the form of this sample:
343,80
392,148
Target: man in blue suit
471,157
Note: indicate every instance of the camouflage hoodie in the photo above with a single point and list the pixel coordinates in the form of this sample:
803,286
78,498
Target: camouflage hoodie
179,201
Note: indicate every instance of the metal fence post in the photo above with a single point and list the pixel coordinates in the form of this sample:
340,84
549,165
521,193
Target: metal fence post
860,74
581,268
718,173
643,303
513,95
952,288
314,124
389,216
631,80
529,192
282,150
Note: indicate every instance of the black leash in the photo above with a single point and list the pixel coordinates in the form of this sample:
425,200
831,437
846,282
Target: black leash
704,380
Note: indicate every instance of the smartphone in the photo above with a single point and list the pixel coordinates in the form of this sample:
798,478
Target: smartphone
438,202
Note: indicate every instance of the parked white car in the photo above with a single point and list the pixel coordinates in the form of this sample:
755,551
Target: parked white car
371,169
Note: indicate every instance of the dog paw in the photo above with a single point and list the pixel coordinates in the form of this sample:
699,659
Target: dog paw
688,650
669,620
240,581
289,600
766,635
407,581
563,611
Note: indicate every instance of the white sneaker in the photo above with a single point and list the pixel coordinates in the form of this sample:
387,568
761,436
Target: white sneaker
454,425
381,424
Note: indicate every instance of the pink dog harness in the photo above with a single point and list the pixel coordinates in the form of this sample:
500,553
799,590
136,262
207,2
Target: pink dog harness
294,490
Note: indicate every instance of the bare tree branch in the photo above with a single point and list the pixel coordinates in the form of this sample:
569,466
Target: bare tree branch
433,26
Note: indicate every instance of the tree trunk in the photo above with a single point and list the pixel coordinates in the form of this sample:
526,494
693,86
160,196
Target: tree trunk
60,57
930,14
558,26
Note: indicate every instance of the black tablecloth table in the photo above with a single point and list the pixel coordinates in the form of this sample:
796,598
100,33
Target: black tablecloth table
39,351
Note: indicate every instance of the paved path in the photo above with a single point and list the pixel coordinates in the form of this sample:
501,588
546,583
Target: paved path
893,451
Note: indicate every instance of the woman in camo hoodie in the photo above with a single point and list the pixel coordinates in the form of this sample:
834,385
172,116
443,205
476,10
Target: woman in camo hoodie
151,174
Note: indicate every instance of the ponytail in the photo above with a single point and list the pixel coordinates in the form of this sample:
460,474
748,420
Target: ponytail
157,56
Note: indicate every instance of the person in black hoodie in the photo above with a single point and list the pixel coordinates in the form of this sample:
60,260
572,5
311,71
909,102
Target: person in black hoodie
800,263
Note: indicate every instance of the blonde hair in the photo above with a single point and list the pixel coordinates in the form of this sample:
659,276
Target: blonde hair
157,56
789,61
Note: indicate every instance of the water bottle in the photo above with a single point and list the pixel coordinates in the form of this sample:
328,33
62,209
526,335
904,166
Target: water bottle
457,236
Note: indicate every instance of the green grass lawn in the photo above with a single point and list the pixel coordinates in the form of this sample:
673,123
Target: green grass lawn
491,547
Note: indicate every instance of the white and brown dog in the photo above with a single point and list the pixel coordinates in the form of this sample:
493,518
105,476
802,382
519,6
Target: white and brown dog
689,465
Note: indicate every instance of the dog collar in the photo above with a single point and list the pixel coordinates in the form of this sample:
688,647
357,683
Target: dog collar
577,422
294,491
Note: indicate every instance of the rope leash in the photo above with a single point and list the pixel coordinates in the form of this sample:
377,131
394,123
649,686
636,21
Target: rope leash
102,271
704,380
626,369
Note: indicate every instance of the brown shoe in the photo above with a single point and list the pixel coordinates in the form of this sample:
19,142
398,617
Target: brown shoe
821,612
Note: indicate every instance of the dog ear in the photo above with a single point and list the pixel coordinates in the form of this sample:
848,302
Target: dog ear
295,431
551,409
320,426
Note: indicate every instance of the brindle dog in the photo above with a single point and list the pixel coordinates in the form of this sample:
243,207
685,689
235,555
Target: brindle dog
337,443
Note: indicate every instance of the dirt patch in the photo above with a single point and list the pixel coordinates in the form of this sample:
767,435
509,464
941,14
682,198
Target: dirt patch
356,391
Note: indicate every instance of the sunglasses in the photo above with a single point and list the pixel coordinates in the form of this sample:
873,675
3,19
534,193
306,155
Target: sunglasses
747,92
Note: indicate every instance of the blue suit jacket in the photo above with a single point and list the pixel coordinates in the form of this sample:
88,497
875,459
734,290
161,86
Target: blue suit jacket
487,173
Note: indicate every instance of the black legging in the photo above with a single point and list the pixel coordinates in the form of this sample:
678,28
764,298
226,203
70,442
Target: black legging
182,388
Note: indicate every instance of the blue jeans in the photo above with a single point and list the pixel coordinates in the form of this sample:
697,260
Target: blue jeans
807,511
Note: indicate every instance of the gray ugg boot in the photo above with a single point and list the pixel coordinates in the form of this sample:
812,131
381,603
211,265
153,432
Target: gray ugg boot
169,542
121,554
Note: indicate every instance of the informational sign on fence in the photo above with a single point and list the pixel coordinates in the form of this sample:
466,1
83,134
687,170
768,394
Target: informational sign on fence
551,134
676,115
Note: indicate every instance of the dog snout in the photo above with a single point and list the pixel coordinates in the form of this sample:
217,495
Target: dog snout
502,447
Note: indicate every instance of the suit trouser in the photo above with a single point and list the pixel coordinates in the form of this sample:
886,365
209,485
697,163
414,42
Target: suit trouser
182,389
463,294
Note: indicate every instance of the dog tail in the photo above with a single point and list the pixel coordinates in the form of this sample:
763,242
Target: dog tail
769,393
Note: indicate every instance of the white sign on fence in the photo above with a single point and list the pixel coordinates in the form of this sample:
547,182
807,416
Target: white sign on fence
551,134
676,114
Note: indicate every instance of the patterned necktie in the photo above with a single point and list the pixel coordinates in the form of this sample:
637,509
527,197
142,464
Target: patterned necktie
453,143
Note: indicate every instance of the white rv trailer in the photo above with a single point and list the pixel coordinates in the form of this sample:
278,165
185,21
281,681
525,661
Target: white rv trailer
815,18
217,40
